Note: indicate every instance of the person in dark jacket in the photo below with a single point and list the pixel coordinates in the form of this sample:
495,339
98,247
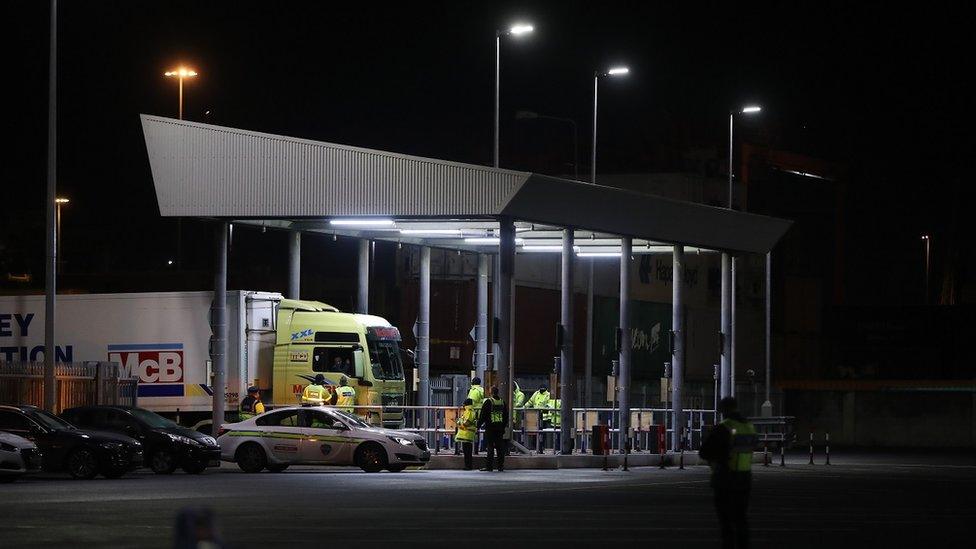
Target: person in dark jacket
728,449
494,419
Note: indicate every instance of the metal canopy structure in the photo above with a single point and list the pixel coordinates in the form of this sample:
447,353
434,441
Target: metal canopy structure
201,170
239,176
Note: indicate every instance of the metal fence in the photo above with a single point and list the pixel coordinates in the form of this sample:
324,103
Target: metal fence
76,384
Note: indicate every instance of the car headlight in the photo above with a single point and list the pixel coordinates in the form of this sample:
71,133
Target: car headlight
182,439
8,447
210,441
401,440
111,445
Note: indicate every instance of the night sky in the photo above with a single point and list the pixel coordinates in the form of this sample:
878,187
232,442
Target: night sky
883,91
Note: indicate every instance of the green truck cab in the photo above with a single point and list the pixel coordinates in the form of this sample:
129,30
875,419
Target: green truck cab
316,338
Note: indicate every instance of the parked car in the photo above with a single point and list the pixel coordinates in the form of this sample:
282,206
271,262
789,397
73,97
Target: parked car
18,456
165,444
317,435
83,454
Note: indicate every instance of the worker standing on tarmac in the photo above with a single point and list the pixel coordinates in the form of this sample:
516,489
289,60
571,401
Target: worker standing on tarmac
728,449
345,396
251,405
467,431
315,393
539,399
476,394
494,418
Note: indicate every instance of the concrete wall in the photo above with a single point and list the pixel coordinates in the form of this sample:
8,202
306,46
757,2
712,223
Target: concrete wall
886,418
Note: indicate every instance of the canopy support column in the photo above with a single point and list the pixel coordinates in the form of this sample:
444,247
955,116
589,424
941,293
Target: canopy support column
481,328
506,271
567,381
294,264
218,326
423,331
623,379
726,328
362,302
678,351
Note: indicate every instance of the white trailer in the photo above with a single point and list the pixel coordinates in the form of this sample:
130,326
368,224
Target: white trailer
161,338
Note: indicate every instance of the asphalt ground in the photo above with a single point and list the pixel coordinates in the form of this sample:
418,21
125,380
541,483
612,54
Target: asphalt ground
861,500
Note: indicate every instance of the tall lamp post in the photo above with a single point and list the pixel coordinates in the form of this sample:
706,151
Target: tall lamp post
57,223
728,275
928,241
181,74
530,115
514,30
597,75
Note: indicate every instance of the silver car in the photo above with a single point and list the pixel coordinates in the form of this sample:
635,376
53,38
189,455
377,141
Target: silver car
18,456
317,435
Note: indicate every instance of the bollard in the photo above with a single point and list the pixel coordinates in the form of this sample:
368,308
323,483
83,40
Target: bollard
626,451
782,453
827,447
661,448
811,447
765,454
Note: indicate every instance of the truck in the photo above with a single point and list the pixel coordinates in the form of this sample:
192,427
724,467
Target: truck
164,340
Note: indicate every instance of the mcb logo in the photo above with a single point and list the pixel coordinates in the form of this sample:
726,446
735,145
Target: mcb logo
150,362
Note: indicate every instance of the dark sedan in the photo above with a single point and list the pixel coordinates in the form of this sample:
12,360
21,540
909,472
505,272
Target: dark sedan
83,454
166,445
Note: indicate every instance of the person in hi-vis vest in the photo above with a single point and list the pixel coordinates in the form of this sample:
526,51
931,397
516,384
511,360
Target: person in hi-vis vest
728,449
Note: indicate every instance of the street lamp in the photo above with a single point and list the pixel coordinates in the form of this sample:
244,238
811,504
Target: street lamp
928,242
748,109
515,30
57,221
612,71
181,74
530,115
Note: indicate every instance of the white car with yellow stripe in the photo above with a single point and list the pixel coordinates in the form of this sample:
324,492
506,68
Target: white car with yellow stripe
319,435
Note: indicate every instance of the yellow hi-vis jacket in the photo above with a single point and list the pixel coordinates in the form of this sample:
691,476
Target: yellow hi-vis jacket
539,399
346,398
467,426
742,445
316,395
477,396
555,415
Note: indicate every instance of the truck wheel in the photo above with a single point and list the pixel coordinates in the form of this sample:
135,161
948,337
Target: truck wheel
163,462
82,463
250,458
396,468
371,457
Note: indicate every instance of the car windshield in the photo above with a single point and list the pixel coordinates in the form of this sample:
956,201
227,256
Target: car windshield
50,421
350,419
384,357
152,419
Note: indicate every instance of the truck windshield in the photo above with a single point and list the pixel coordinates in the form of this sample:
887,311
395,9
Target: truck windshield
385,359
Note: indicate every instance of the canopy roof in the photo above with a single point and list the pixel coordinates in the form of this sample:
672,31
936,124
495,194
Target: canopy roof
201,170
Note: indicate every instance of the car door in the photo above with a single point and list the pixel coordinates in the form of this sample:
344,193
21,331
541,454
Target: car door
328,439
20,425
282,433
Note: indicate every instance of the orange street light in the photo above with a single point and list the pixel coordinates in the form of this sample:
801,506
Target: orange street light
181,73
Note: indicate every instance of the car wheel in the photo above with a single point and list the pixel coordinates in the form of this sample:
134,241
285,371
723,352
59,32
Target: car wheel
82,463
112,471
396,468
251,458
371,457
277,467
162,462
195,467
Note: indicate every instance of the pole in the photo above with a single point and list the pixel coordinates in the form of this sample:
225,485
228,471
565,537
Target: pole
181,97
566,387
726,326
732,307
362,303
294,264
506,271
767,406
678,353
596,89
481,329
927,241
498,58
625,347
58,237
423,331
588,363
731,118
218,325
52,237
